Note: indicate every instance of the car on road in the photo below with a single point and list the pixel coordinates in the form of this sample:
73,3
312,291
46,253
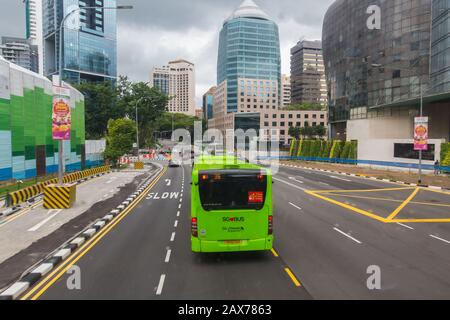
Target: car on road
231,207
174,163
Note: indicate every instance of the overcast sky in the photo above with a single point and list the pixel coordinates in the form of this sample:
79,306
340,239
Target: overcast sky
158,31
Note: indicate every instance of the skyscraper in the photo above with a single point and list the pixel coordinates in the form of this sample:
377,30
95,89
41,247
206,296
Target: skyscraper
177,80
249,65
89,40
208,103
286,91
308,83
33,20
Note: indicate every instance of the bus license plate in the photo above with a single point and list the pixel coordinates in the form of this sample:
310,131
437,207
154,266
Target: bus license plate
233,242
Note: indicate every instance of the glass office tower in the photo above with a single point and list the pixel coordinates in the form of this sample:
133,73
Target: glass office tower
90,40
249,48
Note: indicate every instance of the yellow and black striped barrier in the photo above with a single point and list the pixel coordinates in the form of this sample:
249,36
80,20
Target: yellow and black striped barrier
60,197
17,197
138,165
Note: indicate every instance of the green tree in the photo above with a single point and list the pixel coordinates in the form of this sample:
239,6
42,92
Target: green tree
100,106
320,131
294,132
150,102
120,138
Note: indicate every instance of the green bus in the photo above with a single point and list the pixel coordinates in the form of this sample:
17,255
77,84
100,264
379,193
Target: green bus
231,207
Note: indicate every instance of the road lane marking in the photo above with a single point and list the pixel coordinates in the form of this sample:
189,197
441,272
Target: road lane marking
440,239
161,284
404,225
61,270
342,179
347,235
176,223
297,207
275,254
293,277
43,222
294,179
289,184
179,206
178,213
360,191
168,256
403,205
345,206
172,238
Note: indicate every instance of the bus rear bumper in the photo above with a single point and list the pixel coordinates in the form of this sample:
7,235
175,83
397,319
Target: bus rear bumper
224,246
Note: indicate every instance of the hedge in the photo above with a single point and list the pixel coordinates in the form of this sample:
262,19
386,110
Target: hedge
325,149
445,154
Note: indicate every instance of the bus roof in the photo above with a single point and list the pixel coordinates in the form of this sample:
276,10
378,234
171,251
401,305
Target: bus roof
222,162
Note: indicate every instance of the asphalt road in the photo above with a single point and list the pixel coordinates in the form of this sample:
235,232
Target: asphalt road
327,239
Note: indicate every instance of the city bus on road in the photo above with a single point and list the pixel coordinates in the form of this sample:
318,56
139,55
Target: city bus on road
231,207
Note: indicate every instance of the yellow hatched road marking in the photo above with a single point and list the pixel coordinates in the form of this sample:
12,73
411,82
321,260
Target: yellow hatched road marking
275,254
366,190
62,269
403,205
346,206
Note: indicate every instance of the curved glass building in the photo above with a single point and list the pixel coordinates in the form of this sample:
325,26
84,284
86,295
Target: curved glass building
249,51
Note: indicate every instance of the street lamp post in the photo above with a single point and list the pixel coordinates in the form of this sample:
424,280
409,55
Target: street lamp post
60,81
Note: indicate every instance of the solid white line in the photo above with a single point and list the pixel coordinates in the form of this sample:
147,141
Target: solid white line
40,224
404,225
297,207
348,236
160,285
172,238
437,238
176,223
289,184
168,256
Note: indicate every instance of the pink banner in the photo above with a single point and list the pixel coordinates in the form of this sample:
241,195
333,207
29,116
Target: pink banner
421,134
61,118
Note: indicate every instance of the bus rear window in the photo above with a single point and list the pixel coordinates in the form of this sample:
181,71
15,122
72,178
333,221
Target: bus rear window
232,189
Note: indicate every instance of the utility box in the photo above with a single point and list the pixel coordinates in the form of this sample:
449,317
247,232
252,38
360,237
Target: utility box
60,196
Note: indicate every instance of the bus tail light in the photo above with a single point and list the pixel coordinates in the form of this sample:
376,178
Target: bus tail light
194,227
270,225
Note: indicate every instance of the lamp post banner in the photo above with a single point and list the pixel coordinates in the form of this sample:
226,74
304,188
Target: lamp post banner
421,134
61,118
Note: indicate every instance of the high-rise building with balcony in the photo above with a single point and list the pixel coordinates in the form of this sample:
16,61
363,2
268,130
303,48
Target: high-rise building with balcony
33,20
286,94
89,40
21,52
308,83
177,80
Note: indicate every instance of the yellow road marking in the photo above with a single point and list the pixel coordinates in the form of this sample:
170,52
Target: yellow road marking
348,207
438,191
420,221
275,254
366,190
403,205
391,200
62,269
293,277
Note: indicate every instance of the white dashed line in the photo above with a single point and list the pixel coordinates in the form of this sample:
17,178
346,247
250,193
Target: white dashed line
404,225
168,256
297,207
337,178
160,285
179,206
178,213
176,224
440,239
172,238
348,236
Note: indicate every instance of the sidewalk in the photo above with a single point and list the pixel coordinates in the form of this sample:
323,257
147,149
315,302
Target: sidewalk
31,234
442,181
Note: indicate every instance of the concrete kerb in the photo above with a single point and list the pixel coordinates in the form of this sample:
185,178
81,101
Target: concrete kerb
43,267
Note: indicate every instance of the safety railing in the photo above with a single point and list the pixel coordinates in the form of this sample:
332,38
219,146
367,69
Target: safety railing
19,196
